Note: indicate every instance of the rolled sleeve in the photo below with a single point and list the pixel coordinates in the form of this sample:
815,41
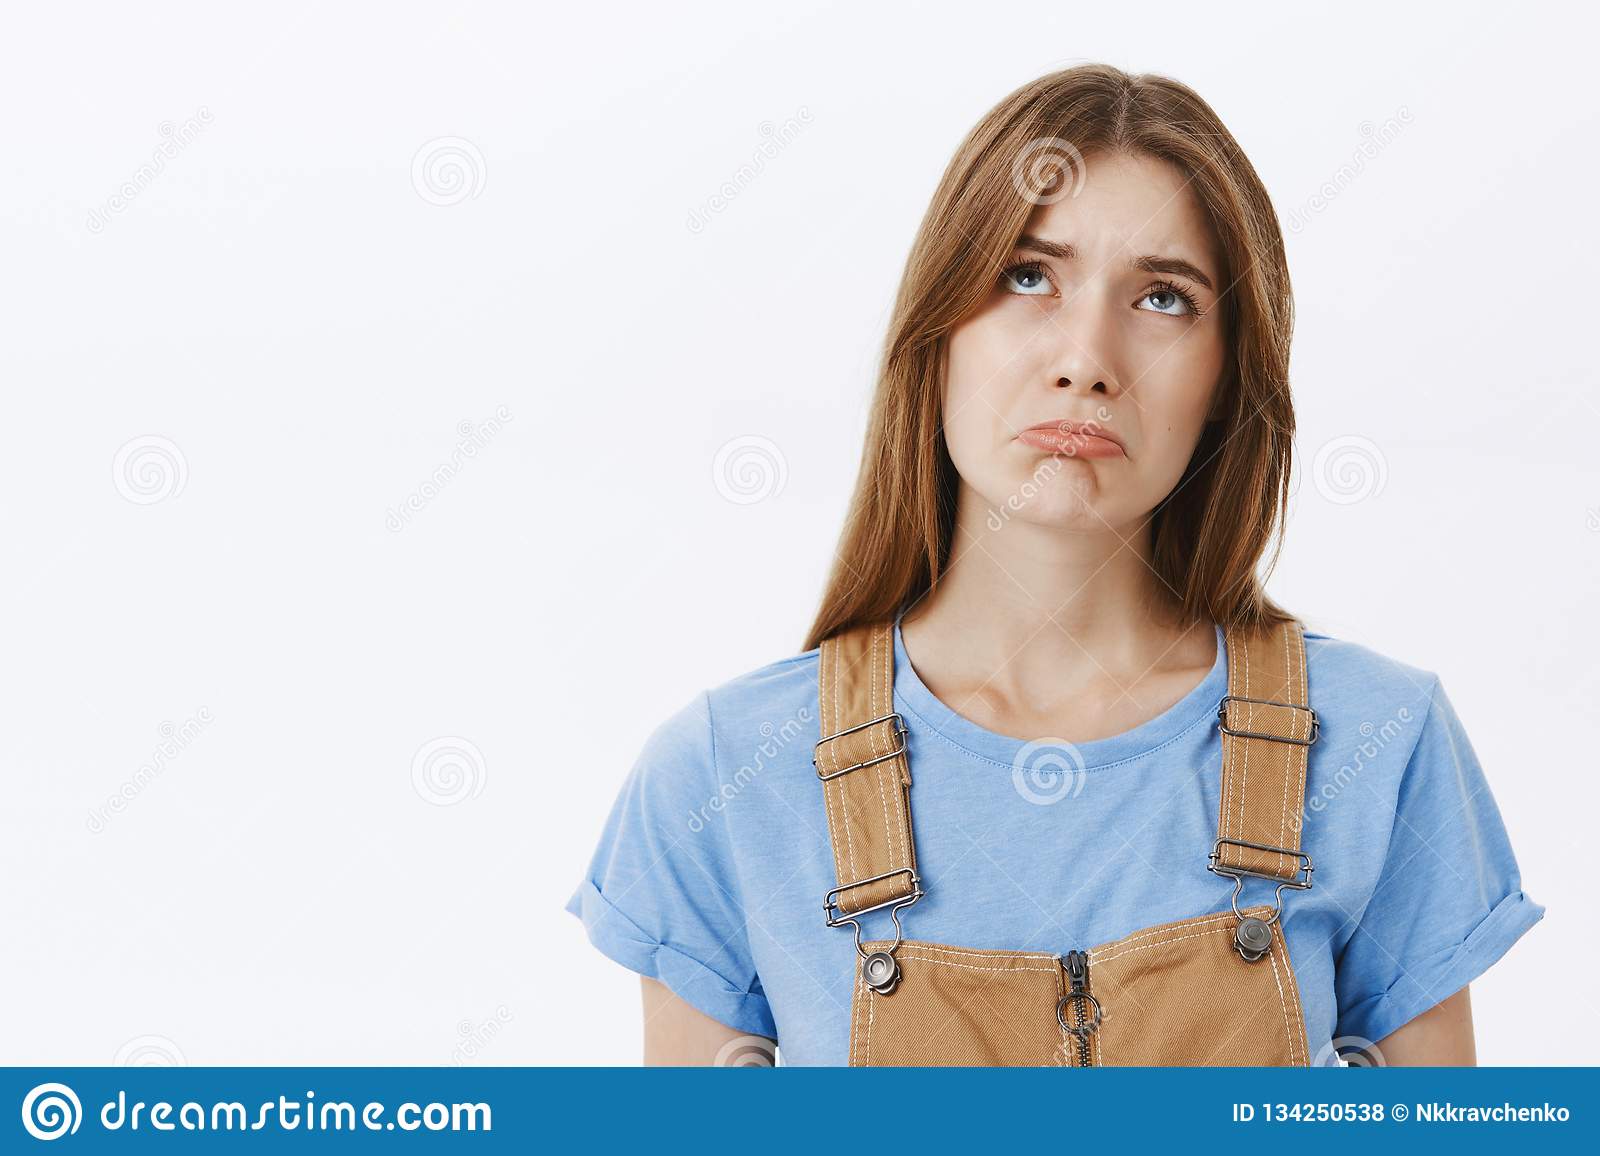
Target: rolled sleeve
1427,982
698,985
1449,900
662,895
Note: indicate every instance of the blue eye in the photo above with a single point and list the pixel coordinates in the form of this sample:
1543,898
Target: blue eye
1026,279
1173,300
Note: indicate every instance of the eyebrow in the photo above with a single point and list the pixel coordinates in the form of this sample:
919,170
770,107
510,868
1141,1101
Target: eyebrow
1151,264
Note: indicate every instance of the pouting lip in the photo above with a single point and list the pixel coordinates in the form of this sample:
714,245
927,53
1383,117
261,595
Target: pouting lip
1090,428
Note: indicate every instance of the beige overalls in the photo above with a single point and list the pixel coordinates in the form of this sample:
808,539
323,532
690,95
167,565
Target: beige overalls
1212,989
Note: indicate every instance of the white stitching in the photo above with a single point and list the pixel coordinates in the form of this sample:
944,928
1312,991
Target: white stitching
833,790
1298,1028
1185,925
1225,814
1249,725
1157,943
964,966
941,949
1282,1003
889,829
902,800
1286,632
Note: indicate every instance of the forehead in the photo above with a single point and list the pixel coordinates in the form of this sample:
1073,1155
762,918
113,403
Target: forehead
1135,201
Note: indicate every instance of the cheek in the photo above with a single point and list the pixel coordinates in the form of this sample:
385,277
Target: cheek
976,377
988,358
1177,397
969,363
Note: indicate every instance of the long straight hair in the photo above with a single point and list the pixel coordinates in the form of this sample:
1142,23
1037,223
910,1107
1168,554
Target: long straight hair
1210,532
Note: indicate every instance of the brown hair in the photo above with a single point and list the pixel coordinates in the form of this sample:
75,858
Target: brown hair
1210,532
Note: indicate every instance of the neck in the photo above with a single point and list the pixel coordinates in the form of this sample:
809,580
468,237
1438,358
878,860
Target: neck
1024,605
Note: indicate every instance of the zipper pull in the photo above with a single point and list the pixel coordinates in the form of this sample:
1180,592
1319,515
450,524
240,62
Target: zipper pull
1076,966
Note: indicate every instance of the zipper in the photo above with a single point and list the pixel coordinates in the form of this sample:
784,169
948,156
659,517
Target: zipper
1085,1007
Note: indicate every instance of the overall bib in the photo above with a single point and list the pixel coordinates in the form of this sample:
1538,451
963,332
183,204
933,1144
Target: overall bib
1216,988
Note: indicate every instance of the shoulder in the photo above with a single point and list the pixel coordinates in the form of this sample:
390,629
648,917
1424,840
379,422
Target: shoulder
766,697
1345,676
778,698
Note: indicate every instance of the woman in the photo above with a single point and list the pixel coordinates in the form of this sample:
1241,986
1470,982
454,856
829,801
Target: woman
1224,838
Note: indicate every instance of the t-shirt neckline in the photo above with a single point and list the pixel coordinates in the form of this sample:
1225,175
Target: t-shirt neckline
913,695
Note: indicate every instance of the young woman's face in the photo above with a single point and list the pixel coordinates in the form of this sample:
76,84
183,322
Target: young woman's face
1108,315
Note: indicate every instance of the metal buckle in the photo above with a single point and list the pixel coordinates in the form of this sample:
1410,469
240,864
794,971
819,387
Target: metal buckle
1216,855
1222,721
900,748
836,915
1237,874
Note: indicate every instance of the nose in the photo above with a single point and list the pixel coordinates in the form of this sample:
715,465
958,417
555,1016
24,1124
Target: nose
1098,385
1082,356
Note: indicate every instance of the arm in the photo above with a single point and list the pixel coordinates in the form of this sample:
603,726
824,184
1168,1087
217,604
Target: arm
677,1034
1440,1036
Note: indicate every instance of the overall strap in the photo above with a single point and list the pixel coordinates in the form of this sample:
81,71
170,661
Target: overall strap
1267,727
866,778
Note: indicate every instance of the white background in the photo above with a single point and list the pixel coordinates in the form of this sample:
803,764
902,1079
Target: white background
284,306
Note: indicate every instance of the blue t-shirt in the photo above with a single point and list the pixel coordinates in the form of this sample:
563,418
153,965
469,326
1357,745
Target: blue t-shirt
712,866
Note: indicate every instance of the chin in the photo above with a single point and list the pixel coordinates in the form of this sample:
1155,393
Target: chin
1059,506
